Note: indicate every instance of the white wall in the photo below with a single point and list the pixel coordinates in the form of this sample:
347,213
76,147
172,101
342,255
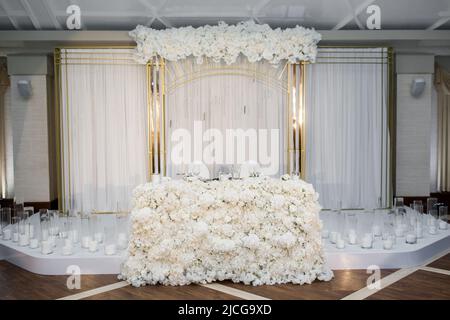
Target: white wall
30,140
413,137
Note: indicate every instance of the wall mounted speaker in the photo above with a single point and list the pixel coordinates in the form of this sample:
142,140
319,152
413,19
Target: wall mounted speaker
417,87
24,88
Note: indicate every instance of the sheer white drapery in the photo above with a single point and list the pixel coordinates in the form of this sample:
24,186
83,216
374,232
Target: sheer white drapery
346,130
213,95
104,134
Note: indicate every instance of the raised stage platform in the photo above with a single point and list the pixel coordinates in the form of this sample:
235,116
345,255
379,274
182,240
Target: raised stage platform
351,257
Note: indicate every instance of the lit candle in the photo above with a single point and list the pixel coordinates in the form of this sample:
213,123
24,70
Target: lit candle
387,244
411,238
85,241
7,234
110,249
46,247
442,224
93,246
34,243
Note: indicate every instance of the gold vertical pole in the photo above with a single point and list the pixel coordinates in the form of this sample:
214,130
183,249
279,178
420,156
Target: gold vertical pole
288,115
163,111
149,120
59,153
303,122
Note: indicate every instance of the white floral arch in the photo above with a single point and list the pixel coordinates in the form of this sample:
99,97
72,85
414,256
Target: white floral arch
226,42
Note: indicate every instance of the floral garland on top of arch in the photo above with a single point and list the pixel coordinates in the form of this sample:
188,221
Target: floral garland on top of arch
226,42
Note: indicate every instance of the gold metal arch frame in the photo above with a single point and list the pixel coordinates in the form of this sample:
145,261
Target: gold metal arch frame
156,116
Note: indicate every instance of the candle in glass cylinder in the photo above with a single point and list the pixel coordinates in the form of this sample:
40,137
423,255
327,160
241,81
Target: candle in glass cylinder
122,241
23,240
352,236
367,241
110,249
67,250
46,247
387,244
325,233
340,244
15,237
93,247
442,225
333,236
419,232
432,229
376,230
98,236
85,242
7,234
31,231
73,235
411,238
34,243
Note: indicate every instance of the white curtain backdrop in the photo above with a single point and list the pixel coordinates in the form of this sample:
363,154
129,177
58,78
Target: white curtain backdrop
104,135
244,95
347,138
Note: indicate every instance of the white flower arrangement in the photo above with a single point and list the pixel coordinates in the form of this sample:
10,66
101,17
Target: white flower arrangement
256,231
226,42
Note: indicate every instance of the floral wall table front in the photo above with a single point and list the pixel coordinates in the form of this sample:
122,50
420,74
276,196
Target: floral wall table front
256,231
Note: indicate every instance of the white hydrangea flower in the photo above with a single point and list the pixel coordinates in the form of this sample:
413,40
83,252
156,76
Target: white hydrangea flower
227,42
256,231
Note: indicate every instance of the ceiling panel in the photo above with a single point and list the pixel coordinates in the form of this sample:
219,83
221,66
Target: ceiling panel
320,14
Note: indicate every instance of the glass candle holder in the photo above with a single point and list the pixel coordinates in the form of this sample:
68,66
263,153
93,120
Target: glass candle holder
6,223
74,226
443,217
324,217
431,204
432,222
351,228
377,222
86,232
15,228
110,240
97,227
122,230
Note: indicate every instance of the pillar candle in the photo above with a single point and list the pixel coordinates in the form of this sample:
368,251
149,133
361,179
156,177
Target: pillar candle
46,247
23,240
387,244
7,234
110,249
34,243
93,246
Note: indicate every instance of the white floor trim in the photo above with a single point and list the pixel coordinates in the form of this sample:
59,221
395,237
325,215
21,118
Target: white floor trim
436,270
392,278
95,291
234,292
